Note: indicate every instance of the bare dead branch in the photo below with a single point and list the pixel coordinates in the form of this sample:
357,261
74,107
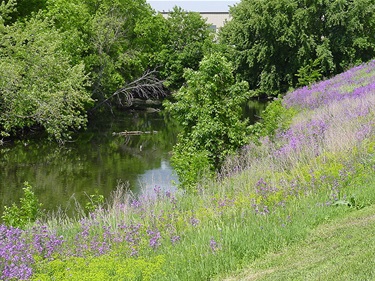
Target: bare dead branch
145,87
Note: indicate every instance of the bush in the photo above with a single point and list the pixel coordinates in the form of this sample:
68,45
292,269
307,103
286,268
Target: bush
28,211
274,117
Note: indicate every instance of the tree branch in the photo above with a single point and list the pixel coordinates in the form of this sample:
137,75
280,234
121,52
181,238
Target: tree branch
147,86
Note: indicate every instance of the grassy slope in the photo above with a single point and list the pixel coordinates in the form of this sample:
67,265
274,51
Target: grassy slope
341,250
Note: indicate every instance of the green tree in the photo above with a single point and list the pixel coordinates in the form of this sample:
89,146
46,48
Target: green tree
6,9
279,44
186,41
23,9
38,84
120,40
209,110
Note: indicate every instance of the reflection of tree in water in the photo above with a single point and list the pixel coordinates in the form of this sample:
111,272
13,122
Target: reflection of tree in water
95,160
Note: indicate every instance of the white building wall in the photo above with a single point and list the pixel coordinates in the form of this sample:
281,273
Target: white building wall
216,19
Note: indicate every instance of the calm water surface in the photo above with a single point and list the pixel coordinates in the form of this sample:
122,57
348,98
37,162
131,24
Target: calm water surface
96,161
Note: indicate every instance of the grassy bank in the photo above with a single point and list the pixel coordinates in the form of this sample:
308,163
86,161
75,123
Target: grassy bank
316,168
343,249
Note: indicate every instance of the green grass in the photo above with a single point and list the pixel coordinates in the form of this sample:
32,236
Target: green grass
335,242
241,236
343,249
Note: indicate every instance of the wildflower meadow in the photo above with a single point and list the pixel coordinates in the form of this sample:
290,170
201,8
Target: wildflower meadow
317,166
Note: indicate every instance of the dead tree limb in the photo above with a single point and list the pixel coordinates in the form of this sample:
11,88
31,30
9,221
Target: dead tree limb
146,87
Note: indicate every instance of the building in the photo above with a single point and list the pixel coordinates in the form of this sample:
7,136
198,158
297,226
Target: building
216,12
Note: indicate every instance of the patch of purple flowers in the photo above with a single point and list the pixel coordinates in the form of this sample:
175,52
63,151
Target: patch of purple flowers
214,245
194,221
16,256
155,238
18,247
346,85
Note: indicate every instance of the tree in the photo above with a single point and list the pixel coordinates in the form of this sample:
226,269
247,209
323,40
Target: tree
187,39
6,9
121,40
39,86
278,44
209,110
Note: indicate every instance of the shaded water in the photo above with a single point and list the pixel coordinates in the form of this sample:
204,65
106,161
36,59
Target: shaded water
96,161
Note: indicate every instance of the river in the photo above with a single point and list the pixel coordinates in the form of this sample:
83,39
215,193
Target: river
96,161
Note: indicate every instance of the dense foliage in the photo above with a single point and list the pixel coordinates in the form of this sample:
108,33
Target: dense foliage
188,39
209,110
120,40
279,44
113,38
39,85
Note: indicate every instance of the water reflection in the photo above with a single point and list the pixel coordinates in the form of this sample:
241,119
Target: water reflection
163,178
96,161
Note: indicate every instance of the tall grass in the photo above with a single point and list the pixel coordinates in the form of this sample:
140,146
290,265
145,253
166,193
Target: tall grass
272,195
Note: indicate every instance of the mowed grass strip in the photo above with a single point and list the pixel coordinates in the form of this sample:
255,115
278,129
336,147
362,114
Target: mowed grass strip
340,250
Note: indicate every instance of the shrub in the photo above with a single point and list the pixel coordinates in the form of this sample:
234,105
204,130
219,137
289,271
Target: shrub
274,117
28,211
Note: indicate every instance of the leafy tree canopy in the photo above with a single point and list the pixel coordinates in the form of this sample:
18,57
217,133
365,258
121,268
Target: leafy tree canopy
120,40
187,39
278,44
22,9
38,84
113,38
51,50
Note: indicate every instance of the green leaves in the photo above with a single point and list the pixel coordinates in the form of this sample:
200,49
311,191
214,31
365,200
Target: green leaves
185,42
6,8
28,211
38,84
52,52
209,110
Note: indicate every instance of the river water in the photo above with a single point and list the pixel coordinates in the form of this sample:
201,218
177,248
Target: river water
96,161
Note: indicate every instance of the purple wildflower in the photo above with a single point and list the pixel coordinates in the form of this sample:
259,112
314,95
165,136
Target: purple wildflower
214,245
155,238
194,221
175,239
16,255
